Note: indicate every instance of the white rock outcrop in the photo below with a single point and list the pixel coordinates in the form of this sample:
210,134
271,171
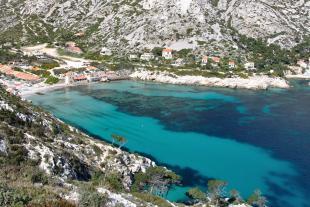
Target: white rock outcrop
254,82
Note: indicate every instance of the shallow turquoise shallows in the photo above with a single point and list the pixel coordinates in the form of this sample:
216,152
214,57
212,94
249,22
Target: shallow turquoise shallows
238,136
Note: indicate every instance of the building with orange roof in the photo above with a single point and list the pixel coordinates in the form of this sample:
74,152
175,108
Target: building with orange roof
216,59
80,78
26,76
71,47
167,53
91,68
76,50
7,70
231,64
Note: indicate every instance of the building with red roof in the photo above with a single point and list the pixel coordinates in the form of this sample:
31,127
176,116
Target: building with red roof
231,64
167,53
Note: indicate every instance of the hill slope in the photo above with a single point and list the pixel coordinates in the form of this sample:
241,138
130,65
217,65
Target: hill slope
136,24
44,162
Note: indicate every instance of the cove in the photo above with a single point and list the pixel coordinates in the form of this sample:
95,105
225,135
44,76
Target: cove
201,133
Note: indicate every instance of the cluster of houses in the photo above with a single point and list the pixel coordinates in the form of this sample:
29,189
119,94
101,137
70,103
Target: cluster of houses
167,54
216,61
15,81
8,71
90,74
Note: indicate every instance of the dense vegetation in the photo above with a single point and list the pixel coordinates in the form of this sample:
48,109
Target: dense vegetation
216,195
51,80
273,57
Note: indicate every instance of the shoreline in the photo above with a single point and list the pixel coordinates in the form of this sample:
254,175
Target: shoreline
261,82
252,83
34,90
301,77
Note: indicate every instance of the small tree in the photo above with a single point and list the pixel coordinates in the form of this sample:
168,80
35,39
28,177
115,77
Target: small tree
120,140
156,181
197,195
235,195
216,190
157,51
257,199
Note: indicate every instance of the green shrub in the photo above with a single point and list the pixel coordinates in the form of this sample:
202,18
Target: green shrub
114,182
11,197
39,177
50,65
91,198
52,80
196,194
17,155
97,150
55,203
156,200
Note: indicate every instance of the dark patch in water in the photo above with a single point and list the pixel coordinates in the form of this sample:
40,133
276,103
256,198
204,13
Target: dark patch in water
284,131
275,131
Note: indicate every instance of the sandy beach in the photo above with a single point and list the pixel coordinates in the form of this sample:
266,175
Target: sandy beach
40,88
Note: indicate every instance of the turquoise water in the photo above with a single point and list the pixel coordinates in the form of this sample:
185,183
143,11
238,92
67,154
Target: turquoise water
238,136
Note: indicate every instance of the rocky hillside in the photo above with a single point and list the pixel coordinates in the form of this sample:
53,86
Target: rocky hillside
136,24
44,162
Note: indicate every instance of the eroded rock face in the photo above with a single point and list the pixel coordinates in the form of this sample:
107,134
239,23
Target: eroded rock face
60,150
30,136
147,23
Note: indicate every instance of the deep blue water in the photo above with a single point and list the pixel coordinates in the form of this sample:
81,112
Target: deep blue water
252,139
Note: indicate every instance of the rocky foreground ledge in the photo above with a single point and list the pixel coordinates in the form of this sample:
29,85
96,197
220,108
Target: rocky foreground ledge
253,82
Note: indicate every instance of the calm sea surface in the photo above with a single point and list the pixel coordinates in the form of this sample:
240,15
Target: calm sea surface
252,139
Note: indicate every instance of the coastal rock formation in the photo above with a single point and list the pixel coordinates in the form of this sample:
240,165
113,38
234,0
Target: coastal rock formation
254,82
28,134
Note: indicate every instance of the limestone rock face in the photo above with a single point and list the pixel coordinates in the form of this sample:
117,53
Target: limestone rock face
136,24
60,150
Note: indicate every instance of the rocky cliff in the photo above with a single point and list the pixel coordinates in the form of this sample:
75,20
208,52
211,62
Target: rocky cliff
137,24
44,160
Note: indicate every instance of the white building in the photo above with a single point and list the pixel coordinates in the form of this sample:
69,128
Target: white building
249,66
204,60
167,53
105,51
133,57
147,56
